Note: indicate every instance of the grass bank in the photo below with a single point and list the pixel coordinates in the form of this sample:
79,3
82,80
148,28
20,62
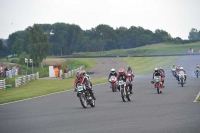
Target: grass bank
145,65
163,48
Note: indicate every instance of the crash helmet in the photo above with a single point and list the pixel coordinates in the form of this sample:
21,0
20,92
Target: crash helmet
160,68
181,68
83,72
197,65
129,68
156,69
113,70
121,71
78,74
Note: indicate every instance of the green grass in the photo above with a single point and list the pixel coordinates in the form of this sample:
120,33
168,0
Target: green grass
163,48
198,99
43,87
145,65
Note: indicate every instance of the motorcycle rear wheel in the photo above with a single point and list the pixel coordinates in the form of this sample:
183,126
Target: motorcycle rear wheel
182,82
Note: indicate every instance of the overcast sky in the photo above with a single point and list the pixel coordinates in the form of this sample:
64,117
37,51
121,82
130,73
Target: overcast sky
177,17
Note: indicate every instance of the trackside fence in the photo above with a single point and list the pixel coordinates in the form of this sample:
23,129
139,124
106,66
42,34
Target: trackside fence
26,79
72,72
2,84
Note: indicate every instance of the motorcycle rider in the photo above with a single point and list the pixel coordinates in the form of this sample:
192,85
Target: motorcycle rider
157,73
163,75
173,66
196,68
130,71
123,76
82,79
177,69
181,69
112,73
85,74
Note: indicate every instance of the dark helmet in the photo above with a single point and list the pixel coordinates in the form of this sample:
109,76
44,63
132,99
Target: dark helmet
129,68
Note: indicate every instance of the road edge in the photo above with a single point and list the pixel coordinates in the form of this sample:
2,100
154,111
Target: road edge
197,97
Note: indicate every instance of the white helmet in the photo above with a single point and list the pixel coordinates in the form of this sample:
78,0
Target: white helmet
156,69
181,68
113,70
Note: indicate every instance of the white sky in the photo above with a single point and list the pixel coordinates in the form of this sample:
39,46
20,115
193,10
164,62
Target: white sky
177,17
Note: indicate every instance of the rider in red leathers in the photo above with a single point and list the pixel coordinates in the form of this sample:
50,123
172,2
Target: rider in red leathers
157,73
82,79
123,76
130,71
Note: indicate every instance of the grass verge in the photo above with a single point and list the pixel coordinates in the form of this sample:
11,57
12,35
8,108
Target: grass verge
162,48
39,88
145,65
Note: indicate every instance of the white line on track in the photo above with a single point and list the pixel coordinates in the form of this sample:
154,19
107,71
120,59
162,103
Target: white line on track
197,97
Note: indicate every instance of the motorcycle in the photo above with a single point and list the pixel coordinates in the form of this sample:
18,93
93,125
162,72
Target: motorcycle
113,81
197,73
182,78
84,96
125,91
158,84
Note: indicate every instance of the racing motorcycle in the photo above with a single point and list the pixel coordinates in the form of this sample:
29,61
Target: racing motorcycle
84,96
182,78
158,84
197,73
113,81
125,91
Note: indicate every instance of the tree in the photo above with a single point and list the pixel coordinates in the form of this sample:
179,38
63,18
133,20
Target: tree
194,34
39,46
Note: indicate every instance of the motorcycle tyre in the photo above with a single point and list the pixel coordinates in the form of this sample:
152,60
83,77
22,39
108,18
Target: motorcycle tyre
83,103
122,95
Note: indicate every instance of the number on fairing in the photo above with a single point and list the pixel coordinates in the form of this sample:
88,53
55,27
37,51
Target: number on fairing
80,88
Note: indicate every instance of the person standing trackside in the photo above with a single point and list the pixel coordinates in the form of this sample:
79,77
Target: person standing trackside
66,70
56,70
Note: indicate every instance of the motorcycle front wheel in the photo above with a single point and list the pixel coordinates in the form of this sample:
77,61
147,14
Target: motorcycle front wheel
83,100
123,96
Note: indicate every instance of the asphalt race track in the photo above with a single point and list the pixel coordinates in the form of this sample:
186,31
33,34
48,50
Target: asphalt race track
173,111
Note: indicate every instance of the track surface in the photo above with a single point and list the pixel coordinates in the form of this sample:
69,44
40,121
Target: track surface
171,112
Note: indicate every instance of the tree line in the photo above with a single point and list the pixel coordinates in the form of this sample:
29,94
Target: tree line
65,39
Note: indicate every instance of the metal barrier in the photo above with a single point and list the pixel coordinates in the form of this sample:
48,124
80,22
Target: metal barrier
72,72
26,79
2,84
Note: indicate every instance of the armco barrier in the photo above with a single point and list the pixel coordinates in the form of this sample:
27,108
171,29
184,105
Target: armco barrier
72,72
2,84
25,79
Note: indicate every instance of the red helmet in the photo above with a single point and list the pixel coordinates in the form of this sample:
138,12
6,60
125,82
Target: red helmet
78,74
121,71
83,72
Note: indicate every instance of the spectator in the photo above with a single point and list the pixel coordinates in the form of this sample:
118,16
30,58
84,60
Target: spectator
1,70
13,71
66,70
7,71
56,70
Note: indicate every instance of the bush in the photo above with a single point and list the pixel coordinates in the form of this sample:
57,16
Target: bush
14,61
